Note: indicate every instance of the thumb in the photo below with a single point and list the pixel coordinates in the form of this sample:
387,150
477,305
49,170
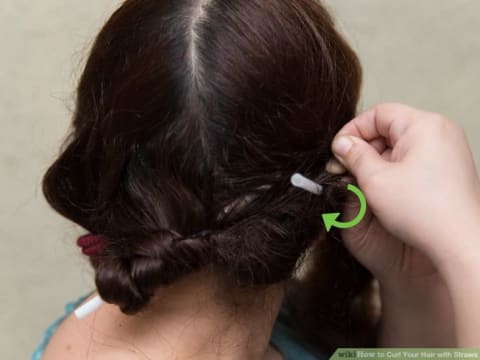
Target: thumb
357,156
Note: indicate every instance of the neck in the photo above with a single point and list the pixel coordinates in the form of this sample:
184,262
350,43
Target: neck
198,318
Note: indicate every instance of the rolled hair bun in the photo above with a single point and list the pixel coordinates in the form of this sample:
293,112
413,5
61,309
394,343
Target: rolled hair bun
190,118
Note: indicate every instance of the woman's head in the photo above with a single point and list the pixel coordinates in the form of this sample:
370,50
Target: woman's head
191,116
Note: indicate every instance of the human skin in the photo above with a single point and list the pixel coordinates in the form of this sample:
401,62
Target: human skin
416,305
190,319
420,237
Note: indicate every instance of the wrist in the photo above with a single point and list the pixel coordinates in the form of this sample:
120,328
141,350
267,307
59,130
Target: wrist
463,281
462,262
455,250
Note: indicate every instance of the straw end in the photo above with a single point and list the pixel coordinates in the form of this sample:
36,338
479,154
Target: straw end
300,181
90,306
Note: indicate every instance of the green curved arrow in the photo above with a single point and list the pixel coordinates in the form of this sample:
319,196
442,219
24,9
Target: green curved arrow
330,219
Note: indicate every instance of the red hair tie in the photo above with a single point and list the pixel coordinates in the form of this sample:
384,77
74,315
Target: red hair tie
91,245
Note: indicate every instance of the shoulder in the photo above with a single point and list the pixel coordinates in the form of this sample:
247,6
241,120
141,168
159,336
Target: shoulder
82,339
68,341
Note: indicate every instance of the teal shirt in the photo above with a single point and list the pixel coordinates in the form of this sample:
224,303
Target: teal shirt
283,336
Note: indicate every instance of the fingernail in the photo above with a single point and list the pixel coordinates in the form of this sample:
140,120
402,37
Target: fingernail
334,167
341,145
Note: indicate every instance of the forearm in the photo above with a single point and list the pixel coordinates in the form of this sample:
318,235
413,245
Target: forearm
419,316
463,281
460,267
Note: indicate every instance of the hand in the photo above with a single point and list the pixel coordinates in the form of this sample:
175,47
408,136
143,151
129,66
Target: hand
416,306
389,259
423,185
417,172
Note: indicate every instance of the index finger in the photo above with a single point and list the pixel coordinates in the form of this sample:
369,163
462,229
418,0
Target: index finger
385,120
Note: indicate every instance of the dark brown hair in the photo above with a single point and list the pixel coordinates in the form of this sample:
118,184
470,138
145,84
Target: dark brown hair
191,116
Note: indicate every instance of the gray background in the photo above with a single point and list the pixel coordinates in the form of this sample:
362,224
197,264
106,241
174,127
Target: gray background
424,53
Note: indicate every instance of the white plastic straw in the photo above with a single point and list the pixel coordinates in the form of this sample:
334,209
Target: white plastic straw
300,181
89,307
